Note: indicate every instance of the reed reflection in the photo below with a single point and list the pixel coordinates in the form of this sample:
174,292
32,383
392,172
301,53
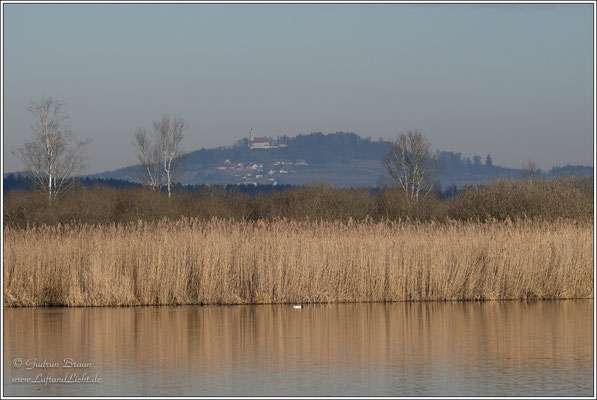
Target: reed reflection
183,345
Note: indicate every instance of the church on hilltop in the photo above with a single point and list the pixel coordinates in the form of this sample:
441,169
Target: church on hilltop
264,142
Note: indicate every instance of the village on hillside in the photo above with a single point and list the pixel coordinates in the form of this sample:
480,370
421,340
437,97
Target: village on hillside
249,173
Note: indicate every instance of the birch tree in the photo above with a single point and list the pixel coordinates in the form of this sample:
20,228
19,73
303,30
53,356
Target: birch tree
149,172
411,165
160,157
53,157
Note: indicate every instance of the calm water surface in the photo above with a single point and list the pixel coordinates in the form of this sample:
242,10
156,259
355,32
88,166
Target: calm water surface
402,349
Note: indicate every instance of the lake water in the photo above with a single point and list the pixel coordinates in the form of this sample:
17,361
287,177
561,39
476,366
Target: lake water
400,349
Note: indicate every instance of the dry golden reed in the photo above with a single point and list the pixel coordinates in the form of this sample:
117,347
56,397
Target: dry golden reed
190,261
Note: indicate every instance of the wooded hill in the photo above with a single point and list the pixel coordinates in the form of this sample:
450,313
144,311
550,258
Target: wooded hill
340,159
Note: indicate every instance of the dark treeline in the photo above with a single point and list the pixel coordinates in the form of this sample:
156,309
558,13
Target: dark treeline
16,181
500,200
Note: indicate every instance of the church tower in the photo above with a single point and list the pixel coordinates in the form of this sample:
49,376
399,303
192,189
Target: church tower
251,136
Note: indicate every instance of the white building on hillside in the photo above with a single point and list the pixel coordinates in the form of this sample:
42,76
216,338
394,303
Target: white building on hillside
261,142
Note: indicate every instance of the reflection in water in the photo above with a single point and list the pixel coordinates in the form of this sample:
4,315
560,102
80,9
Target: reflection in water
401,349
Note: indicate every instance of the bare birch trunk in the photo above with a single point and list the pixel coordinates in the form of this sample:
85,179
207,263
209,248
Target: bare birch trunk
53,158
411,165
160,157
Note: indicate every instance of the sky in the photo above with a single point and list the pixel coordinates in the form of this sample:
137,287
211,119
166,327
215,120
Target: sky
513,81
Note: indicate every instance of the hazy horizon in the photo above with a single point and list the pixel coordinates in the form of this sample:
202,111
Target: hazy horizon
513,81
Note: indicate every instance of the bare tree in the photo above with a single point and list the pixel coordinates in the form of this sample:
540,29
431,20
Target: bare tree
169,137
54,157
530,171
411,165
160,158
150,171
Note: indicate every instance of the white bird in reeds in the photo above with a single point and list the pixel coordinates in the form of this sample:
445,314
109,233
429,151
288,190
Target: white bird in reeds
297,307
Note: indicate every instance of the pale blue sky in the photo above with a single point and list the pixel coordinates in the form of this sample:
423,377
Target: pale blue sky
515,81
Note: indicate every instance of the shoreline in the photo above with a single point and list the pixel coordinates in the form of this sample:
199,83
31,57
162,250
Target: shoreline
531,300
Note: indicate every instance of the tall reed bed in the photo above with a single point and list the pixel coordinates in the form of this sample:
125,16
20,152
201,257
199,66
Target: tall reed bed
191,261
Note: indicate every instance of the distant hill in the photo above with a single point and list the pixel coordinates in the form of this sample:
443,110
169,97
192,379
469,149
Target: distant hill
341,159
